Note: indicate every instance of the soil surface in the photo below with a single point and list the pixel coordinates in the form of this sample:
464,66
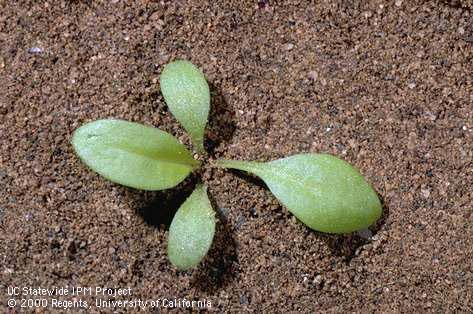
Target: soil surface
385,85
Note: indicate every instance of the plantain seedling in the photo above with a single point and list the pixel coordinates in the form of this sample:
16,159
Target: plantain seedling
322,191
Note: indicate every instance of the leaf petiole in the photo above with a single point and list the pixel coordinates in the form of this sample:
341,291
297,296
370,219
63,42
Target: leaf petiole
249,166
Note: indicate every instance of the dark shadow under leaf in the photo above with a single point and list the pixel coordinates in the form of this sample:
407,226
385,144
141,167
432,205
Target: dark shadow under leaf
346,246
160,211
221,124
248,177
219,267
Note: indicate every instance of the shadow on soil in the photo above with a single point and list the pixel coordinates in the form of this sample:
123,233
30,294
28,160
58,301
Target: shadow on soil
345,246
220,265
248,177
160,210
221,124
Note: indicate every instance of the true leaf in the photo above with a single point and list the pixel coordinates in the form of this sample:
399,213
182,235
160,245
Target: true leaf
187,95
192,230
324,192
133,154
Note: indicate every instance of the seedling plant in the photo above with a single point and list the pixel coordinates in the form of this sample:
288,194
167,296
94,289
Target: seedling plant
324,192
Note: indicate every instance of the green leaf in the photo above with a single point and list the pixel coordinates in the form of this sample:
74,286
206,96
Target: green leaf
133,154
192,230
187,95
324,192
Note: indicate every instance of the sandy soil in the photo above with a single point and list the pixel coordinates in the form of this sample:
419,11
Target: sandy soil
385,85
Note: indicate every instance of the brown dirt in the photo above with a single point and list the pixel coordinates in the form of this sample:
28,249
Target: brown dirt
386,85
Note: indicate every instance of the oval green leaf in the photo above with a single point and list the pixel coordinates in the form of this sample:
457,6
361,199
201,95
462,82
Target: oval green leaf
192,230
324,192
133,154
187,95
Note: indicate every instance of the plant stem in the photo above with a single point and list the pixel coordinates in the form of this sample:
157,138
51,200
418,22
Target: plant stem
249,166
196,164
199,147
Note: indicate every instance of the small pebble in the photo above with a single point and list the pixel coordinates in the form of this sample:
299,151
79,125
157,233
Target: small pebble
365,234
35,50
368,14
305,277
288,47
244,299
241,220
313,75
223,211
318,279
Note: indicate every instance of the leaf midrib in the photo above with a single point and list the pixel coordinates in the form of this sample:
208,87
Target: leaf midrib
142,153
